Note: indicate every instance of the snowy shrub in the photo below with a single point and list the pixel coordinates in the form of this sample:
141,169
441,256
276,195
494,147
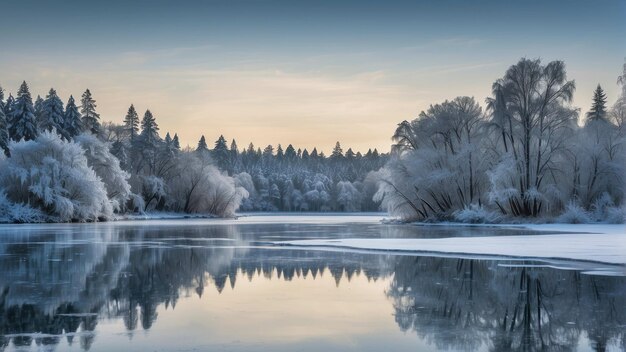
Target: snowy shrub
348,196
476,214
18,213
615,215
574,214
53,175
199,187
107,167
153,189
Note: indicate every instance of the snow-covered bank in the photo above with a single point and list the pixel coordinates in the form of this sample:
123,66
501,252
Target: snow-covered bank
593,243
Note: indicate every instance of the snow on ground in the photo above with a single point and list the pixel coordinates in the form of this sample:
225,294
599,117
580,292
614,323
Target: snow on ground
595,243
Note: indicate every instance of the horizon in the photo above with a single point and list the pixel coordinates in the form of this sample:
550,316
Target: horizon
302,74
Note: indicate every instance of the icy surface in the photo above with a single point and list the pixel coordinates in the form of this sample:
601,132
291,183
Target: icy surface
598,243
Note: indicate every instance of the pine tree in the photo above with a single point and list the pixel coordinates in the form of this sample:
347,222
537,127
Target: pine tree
131,123
71,120
149,130
290,152
51,117
23,122
202,146
38,110
90,118
233,148
598,107
4,126
279,152
8,108
175,142
350,154
337,152
220,152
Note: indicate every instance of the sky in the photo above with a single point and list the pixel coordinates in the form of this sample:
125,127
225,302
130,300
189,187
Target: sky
307,73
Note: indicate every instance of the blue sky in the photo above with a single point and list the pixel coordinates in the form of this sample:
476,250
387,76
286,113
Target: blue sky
307,73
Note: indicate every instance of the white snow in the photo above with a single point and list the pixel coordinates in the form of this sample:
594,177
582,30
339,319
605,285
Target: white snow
597,243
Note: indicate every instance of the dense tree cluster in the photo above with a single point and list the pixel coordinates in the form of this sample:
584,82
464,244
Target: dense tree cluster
298,180
63,164
527,155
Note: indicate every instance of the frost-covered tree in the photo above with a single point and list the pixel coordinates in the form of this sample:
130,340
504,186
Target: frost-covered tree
53,175
598,109
131,123
534,101
107,168
90,118
38,109
437,166
23,124
175,142
8,107
202,147
4,126
220,153
337,152
199,187
52,115
72,120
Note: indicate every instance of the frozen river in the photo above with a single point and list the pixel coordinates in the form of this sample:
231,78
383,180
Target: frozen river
310,283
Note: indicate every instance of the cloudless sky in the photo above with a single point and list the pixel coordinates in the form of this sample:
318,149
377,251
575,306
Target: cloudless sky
307,73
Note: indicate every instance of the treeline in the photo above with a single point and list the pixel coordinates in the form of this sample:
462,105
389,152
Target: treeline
528,155
299,180
59,165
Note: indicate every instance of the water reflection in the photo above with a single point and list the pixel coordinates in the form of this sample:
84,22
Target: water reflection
63,282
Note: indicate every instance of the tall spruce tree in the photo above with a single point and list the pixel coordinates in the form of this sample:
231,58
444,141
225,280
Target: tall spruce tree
221,152
337,152
38,110
23,122
4,126
71,120
202,146
8,107
149,130
175,142
131,123
51,117
598,107
90,118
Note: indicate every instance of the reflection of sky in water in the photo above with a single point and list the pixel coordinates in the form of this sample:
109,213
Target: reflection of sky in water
217,285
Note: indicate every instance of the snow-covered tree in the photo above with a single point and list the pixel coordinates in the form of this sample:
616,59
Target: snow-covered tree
71,120
90,118
4,126
107,168
220,153
23,124
52,115
131,123
598,109
202,147
53,175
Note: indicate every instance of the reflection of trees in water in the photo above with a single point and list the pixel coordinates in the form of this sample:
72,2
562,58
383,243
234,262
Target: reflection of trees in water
462,304
127,273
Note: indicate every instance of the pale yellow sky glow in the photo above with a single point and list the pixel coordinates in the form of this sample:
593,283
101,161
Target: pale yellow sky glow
272,102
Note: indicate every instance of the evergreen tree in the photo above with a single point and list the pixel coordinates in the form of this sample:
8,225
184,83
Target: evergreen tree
90,118
305,154
131,123
149,130
8,107
598,107
220,152
350,154
51,117
4,126
290,152
175,142
71,120
38,110
23,122
337,152
202,146
233,148
279,152
314,154
268,152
